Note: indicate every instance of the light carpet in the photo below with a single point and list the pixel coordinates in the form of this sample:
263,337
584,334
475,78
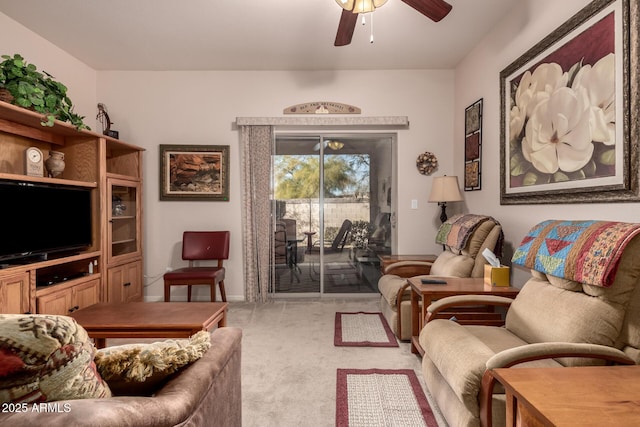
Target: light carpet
381,397
363,330
289,361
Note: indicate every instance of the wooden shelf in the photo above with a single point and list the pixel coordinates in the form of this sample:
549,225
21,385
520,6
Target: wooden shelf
21,121
57,287
46,180
121,242
51,262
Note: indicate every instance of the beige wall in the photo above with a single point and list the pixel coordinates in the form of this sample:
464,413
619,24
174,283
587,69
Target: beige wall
152,108
79,79
478,77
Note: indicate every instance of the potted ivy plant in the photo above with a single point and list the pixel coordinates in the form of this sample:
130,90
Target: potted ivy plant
23,85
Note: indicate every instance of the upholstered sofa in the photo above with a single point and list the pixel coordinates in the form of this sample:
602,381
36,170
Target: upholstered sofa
581,306
464,237
204,393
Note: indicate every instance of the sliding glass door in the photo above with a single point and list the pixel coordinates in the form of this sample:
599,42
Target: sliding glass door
332,212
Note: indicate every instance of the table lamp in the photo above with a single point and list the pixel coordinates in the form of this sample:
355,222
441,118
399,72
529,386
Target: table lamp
444,189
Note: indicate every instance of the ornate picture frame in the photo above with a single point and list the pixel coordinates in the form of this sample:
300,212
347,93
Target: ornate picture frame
194,172
566,134
473,146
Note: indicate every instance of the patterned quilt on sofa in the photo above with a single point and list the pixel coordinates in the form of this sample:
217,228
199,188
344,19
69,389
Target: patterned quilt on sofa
584,251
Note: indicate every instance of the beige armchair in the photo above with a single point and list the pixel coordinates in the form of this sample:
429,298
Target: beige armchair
553,322
464,238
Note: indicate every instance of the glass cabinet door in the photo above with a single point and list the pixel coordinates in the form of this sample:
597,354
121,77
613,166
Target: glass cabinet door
124,219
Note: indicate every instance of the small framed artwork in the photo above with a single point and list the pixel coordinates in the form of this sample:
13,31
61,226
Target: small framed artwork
194,172
473,146
568,130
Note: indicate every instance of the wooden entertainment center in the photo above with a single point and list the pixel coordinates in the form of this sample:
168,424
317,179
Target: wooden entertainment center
110,270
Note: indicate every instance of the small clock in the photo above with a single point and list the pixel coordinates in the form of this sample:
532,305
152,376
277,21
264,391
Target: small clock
34,162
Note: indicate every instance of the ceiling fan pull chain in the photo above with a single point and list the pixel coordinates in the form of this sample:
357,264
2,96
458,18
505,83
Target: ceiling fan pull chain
371,29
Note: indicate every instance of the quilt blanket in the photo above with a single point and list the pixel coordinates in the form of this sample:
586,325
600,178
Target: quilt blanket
456,231
584,251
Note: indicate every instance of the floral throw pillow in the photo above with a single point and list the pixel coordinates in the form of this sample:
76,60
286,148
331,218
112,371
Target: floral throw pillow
46,358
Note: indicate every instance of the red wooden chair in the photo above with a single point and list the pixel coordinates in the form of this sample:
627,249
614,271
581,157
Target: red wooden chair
200,246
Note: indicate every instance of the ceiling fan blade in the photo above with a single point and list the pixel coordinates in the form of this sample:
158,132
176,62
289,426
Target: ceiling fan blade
345,28
432,9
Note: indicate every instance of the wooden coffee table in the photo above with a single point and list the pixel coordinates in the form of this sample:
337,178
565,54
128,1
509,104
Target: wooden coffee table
150,319
455,286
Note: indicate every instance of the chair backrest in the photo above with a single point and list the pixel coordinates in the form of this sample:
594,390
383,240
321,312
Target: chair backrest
341,238
290,226
468,261
280,243
205,245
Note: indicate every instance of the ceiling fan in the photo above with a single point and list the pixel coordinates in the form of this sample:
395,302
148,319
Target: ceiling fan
432,9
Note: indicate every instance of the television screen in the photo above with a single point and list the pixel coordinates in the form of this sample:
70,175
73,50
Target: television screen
43,218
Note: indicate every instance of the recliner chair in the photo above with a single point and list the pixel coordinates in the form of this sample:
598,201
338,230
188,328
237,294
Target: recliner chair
464,237
568,318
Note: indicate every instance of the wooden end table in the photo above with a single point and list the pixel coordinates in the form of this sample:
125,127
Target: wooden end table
427,293
578,396
150,319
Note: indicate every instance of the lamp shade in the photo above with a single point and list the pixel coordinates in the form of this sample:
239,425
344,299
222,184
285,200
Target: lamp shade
445,189
360,6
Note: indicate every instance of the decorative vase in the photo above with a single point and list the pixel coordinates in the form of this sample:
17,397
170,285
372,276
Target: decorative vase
55,163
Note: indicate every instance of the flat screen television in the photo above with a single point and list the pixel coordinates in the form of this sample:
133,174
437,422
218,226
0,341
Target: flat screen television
41,219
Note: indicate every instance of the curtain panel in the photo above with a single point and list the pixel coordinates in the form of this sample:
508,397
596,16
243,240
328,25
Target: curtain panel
256,146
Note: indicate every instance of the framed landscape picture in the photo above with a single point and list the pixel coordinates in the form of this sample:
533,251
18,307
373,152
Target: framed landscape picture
194,172
566,134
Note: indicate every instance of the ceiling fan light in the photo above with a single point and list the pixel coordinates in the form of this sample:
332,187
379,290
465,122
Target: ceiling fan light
360,6
335,145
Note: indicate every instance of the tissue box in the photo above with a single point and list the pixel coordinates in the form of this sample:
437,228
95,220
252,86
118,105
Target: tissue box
496,276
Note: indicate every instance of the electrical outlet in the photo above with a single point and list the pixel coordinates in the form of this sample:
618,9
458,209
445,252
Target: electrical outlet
414,204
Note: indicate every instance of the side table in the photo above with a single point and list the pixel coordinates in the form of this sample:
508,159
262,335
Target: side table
427,293
579,396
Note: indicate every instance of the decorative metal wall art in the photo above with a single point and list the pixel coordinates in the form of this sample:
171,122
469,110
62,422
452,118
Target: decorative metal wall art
473,146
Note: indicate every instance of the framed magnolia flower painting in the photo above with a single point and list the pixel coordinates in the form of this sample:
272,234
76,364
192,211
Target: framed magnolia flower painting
566,132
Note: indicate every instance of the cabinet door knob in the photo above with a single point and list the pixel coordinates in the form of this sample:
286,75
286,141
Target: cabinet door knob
72,309
126,284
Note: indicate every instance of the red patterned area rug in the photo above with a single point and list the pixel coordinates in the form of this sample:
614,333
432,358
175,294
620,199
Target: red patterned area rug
363,330
381,397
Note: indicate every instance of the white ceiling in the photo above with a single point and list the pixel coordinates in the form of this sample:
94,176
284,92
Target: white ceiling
252,34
